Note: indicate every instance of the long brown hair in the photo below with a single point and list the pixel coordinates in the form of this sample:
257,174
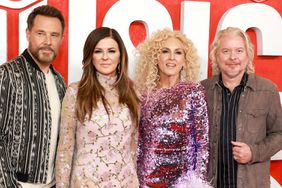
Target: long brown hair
90,91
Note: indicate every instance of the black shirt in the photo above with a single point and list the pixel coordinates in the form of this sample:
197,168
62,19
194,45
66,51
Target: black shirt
227,166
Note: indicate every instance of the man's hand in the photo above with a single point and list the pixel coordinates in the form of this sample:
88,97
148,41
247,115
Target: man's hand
241,152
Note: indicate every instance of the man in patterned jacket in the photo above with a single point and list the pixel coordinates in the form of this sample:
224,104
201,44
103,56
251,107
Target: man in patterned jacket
31,91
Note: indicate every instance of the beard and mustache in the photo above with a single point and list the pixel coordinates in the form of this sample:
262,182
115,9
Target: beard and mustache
43,55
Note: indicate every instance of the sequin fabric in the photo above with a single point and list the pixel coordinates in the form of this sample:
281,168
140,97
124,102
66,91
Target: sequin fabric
173,135
99,152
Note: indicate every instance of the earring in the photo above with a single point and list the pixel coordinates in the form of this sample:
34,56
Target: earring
182,74
118,69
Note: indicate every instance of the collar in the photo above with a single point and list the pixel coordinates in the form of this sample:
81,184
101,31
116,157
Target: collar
106,81
243,81
31,61
251,82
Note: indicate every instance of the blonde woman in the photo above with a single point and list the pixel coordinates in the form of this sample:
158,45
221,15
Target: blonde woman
173,130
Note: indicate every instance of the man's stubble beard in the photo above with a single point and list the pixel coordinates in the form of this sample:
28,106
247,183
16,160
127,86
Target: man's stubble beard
40,57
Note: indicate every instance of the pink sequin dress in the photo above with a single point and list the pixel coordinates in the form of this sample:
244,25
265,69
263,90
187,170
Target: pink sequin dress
99,152
173,136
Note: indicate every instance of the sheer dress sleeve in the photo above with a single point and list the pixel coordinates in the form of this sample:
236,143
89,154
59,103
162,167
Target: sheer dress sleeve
66,144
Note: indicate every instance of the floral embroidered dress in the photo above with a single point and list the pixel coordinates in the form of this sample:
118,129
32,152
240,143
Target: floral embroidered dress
173,137
99,152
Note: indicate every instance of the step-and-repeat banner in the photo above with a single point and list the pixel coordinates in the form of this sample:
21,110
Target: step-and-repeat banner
136,19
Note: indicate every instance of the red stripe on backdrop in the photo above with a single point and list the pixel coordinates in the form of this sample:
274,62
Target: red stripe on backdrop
13,29
275,170
61,61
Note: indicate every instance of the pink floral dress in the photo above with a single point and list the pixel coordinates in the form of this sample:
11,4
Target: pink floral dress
100,152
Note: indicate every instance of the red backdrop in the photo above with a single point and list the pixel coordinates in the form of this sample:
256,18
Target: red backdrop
267,66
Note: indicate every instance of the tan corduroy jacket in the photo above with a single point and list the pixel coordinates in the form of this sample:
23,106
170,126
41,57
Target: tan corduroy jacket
259,124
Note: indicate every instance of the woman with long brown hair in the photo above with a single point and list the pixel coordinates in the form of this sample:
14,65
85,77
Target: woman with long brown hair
99,118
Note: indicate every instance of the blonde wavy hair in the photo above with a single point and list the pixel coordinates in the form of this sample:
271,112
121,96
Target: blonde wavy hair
148,54
231,31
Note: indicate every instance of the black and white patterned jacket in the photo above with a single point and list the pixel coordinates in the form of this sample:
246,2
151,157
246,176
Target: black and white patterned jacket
25,121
